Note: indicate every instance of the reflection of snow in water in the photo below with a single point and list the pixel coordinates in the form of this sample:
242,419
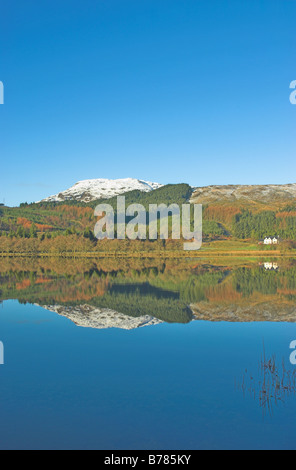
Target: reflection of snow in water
101,318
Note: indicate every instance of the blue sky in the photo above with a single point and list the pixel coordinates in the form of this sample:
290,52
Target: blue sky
171,91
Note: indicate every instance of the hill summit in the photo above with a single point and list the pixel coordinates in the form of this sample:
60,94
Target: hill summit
91,190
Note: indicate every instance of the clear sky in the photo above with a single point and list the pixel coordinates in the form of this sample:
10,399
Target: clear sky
170,91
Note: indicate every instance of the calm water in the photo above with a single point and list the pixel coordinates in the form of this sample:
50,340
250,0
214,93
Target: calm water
180,382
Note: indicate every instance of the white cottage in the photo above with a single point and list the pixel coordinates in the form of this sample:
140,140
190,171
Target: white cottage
271,241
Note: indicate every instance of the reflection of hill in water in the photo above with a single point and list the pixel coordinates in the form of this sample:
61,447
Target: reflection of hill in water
251,312
170,293
137,300
250,295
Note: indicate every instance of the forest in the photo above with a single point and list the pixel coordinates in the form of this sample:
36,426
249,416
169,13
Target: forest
267,223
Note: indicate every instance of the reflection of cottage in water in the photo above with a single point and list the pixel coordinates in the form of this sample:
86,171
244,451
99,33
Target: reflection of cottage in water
270,266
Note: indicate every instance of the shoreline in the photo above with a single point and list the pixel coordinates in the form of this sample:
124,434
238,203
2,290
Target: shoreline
153,255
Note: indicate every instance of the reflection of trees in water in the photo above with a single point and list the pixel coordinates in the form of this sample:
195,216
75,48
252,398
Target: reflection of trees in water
273,385
134,304
164,297
247,281
161,289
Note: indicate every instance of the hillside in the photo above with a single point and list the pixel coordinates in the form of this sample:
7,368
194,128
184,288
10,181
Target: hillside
262,194
229,213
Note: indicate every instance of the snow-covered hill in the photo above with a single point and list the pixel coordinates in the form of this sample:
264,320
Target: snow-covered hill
91,190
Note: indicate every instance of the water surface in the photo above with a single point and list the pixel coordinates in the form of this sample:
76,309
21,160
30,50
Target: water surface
159,356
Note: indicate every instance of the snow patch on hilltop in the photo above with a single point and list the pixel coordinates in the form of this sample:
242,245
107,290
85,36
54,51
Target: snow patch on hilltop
91,190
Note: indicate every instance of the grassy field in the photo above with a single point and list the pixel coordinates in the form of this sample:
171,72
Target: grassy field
221,248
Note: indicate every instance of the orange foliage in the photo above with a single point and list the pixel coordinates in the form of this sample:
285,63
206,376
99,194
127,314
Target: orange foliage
27,224
287,291
221,213
24,222
42,281
284,215
223,293
23,285
43,227
102,287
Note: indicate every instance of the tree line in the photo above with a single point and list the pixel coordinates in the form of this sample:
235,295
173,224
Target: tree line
268,223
